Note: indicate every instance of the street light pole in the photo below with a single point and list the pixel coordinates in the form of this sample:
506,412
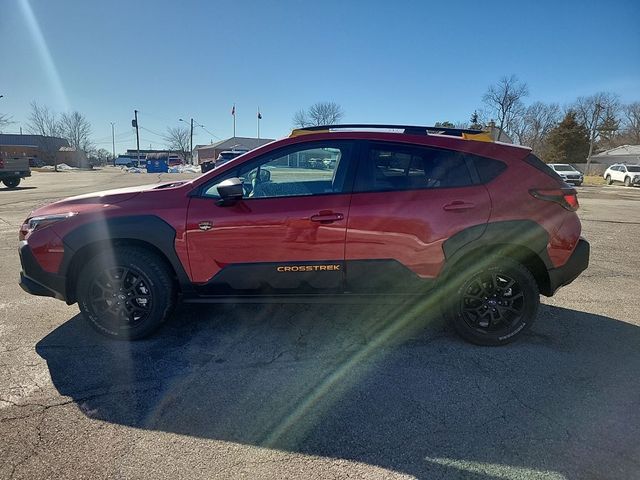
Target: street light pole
135,113
113,141
191,144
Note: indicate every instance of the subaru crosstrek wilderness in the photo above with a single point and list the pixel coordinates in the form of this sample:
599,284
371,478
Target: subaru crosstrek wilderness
342,213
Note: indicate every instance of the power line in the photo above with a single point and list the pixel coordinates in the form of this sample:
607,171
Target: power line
152,132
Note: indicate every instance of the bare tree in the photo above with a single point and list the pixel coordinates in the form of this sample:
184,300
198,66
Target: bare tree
538,120
320,113
5,121
100,156
179,140
44,122
76,129
631,122
300,119
592,110
504,101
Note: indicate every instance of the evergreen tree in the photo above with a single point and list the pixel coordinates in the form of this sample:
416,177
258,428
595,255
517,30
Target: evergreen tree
568,142
475,122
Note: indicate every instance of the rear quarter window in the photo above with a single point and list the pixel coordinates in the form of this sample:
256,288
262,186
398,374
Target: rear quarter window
487,168
538,164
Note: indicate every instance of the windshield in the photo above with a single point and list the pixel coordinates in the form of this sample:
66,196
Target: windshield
564,168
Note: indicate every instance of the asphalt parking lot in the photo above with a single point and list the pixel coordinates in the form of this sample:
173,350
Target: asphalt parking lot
324,391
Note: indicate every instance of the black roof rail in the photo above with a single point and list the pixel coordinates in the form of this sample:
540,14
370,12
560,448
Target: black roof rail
408,129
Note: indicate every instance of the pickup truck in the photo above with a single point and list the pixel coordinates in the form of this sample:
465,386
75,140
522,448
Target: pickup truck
12,170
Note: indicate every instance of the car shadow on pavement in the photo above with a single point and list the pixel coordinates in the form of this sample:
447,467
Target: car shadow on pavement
372,384
2,188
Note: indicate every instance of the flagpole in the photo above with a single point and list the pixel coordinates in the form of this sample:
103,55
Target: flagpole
258,122
234,120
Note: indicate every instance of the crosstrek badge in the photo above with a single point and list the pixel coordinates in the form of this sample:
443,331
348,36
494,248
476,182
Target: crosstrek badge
308,268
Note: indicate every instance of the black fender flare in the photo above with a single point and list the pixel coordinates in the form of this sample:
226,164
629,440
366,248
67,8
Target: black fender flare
497,236
148,229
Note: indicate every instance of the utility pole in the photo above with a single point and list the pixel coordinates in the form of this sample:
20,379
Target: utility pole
135,124
233,113
258,120
594,125
113,141
191,144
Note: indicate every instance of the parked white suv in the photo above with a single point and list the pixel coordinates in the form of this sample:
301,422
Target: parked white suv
568,173
627,174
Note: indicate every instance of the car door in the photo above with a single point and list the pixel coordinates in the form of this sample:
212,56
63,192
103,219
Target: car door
623,172
618,174
286,235
407,202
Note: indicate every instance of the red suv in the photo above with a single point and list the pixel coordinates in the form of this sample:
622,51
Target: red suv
347,213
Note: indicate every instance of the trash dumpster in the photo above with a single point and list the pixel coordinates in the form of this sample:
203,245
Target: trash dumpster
158,165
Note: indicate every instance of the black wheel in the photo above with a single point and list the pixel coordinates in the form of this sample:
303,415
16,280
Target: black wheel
494,305
126,293
11,182
627,181
608,180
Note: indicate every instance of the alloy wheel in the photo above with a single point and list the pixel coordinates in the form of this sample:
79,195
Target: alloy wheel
121,297
492,302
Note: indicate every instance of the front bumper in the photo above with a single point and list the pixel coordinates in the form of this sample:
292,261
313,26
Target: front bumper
567,273
35,280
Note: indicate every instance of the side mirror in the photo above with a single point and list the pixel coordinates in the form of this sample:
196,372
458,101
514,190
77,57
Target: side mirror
230,190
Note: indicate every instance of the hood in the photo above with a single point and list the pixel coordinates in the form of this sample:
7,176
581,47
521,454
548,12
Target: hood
89,201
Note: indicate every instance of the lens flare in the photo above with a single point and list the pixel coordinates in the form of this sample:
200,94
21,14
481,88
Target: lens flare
43,50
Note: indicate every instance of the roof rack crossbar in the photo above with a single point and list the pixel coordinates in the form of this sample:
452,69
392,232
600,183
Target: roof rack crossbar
408,129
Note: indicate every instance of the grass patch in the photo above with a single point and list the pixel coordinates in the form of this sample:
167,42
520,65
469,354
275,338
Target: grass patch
593,180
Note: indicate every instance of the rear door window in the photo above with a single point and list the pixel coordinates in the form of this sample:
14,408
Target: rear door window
403,167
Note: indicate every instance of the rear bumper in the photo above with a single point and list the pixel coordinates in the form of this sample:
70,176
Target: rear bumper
567,273
35,280
15,174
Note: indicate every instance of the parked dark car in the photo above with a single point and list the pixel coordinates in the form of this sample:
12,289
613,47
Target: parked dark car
223,157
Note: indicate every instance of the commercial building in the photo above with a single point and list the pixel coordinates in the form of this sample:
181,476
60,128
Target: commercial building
629,154
207,153
34,147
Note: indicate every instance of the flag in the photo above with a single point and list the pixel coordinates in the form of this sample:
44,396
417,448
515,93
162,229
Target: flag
233,111
259,115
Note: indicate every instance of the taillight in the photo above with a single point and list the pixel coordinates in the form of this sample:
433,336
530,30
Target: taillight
1,163
566,197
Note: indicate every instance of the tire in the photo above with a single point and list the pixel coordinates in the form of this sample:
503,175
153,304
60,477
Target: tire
11,182
627,181
578,184
485,315
126,294
608,180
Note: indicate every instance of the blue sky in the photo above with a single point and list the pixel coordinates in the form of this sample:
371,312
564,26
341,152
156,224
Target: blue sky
392,61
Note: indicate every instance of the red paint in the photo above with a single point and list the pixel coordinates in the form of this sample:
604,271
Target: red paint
409,226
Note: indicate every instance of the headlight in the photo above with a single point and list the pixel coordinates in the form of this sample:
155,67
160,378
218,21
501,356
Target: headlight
41,221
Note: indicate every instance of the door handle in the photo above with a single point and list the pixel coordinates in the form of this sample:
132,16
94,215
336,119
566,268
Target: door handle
458,206
327,217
